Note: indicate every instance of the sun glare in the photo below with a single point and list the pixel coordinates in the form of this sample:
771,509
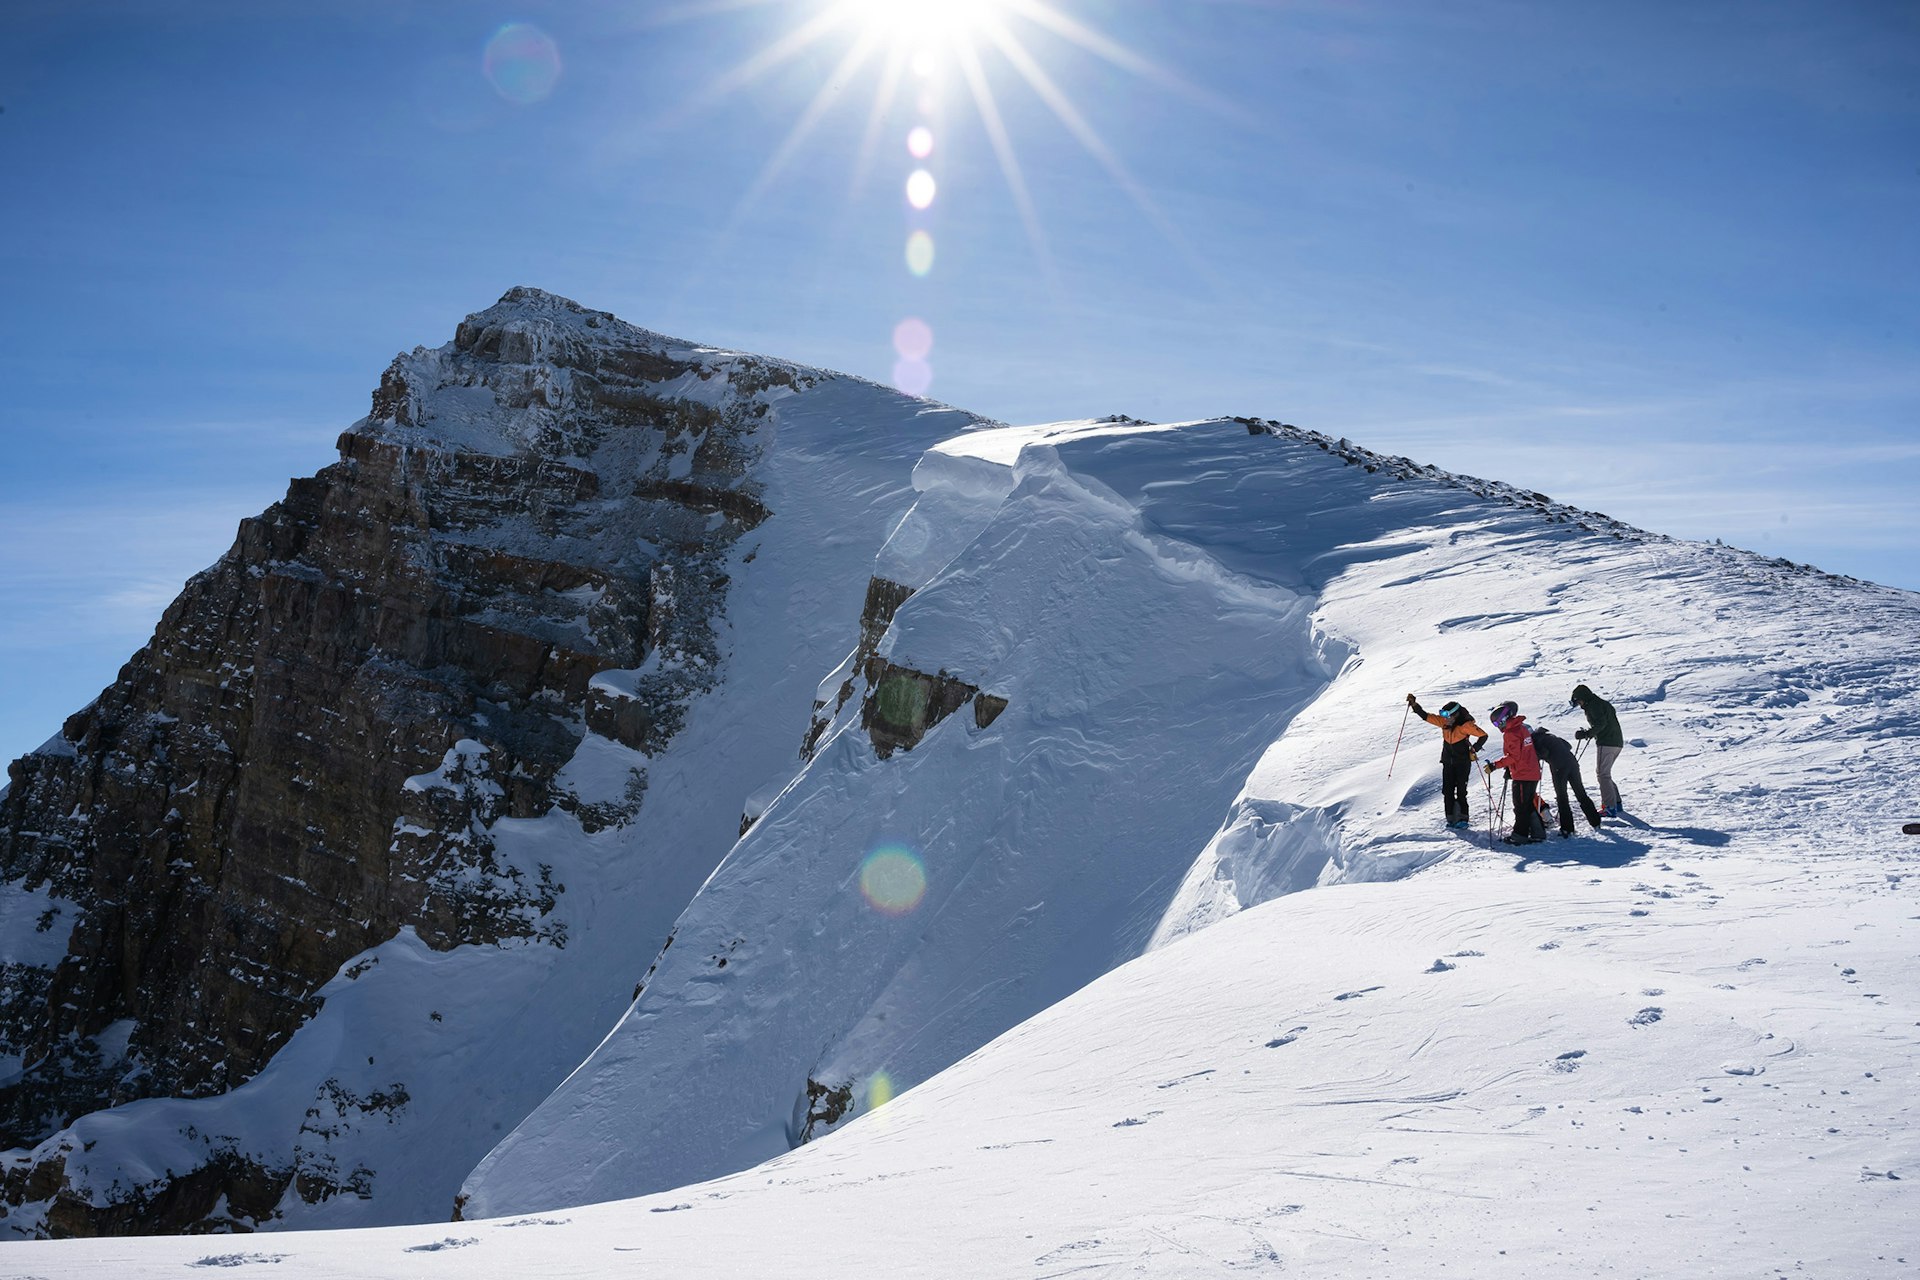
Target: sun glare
929,26
924,58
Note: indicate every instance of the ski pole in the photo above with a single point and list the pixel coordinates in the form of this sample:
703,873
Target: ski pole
1396,741
1486,778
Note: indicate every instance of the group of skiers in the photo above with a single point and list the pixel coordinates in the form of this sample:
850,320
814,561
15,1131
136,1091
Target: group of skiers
1523,750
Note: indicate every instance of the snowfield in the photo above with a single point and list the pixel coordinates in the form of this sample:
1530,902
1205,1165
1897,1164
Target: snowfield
1700,1064
1194,981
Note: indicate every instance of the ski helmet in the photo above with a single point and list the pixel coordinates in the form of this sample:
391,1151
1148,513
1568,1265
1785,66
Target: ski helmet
1503,713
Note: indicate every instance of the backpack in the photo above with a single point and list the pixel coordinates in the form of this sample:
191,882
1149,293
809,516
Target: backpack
1543,817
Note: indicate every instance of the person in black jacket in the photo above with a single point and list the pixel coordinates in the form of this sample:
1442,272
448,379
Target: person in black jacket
1604,728
1558,755
1460,742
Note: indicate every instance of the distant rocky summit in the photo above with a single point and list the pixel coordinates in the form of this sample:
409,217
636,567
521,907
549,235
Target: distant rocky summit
314,750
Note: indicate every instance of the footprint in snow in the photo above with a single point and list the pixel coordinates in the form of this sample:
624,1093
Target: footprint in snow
448,1243
1647,1016
1748,964
1131,1121
1054,1255
1548,946
1438,966
669,1208
238,1259
1288,1038
1569,1061
1183,1079
1741,1069
1355,995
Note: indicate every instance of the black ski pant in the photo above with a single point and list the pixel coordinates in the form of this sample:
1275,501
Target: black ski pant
1563,778
1453,787
1527,827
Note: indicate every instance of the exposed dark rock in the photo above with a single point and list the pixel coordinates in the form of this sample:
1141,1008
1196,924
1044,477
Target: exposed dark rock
824,1106
987,709
902,704
311,751
883,600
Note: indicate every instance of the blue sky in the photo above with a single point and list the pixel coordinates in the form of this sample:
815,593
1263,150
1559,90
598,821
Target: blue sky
1659,260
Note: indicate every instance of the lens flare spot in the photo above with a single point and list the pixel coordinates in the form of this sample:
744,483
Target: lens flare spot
880,1090
920,189
522,63
920,142
915,377
913,339
920,253
893,880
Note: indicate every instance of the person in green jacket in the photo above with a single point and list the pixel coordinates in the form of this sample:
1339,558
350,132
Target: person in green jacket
1603,726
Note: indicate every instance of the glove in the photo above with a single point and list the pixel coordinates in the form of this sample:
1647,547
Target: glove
1488,766
1411,702
1583,733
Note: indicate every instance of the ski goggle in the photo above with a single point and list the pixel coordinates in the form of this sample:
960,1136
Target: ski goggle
1453,709
1500,717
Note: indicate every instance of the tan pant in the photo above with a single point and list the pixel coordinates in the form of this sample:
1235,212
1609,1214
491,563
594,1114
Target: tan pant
1603,758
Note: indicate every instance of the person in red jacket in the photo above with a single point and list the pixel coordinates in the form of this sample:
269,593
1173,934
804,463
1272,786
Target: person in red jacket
1523,768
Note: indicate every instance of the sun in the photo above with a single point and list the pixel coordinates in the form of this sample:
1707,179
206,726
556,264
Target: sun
923,58
927,50
922,26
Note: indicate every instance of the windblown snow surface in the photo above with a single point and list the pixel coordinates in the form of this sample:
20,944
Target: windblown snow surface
1198,983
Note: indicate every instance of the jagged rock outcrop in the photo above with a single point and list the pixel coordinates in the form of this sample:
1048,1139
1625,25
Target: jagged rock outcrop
524,542
900,704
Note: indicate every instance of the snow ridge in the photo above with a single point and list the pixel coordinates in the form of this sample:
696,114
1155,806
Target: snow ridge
1184,622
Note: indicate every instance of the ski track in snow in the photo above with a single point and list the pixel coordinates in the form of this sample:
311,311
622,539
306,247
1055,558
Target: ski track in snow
1350,1042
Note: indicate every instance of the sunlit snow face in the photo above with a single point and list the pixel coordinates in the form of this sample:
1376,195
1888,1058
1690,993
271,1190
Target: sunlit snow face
893,880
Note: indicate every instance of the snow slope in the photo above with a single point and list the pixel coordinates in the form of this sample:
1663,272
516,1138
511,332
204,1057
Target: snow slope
1682,1046
1698,1063
1204,633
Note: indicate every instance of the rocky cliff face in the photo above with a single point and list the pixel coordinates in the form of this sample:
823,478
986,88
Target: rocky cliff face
315,748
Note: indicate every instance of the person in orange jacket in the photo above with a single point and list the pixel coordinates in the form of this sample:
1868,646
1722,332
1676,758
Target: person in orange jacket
1522,764
1461,739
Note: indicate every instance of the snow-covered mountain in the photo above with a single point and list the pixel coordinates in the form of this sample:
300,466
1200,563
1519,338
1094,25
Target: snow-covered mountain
1202,634
1099,861
368,847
